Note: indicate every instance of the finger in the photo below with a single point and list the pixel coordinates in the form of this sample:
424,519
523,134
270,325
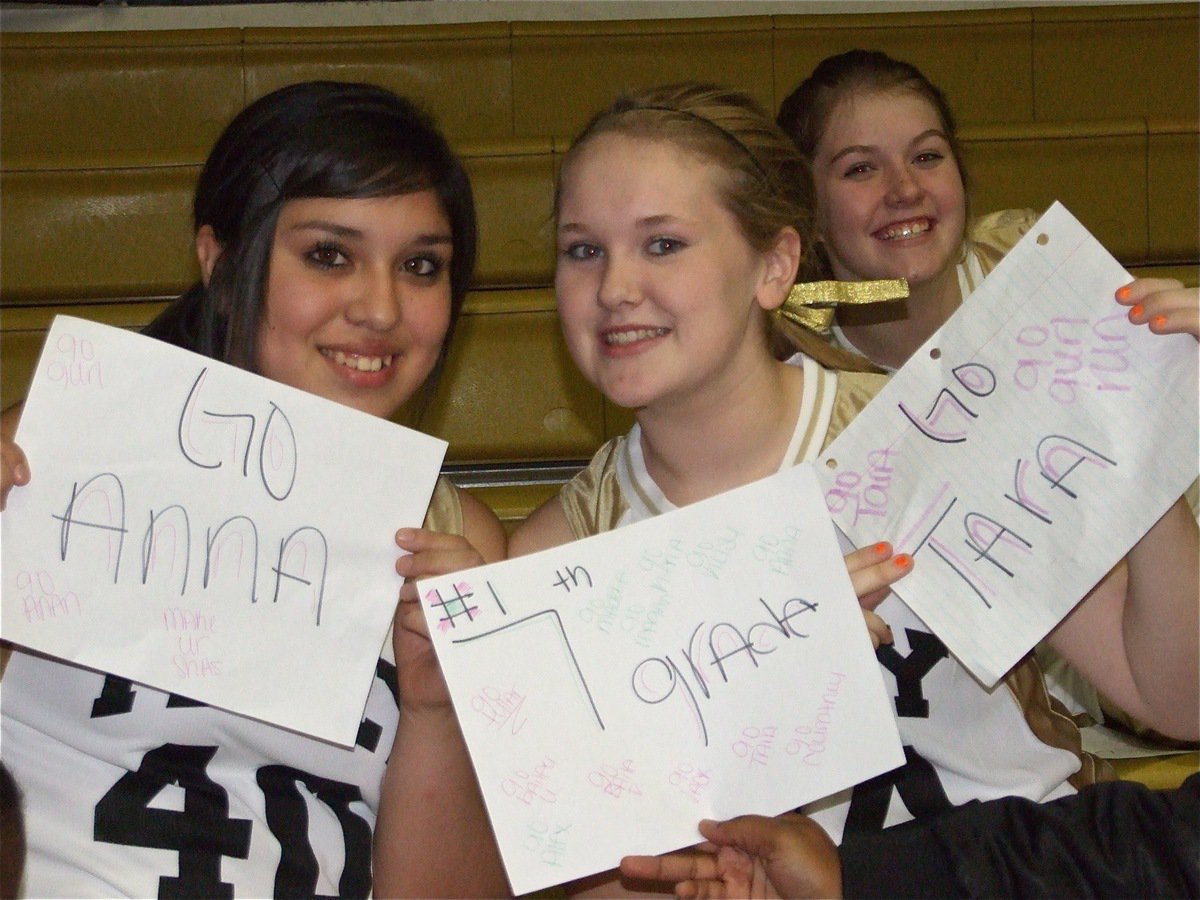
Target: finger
1139,289
1175,313
1161,319
880,631
868,556
1184,323
872,599
412,620
1165,306
870,583
671,867
760,885
753,834
710,889
415,540
739,872
442,561
14,469
1176,299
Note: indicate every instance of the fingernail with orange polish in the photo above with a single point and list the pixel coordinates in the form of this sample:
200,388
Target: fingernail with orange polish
1159,321
903,561
881,548
1123,293
1137,310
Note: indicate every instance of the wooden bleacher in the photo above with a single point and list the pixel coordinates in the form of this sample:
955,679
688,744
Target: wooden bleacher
102,136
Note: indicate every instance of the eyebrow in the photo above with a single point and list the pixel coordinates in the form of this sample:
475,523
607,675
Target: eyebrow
655,221
348,231
866,148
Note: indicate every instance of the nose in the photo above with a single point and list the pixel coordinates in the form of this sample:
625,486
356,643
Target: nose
377,302
618,283
902,186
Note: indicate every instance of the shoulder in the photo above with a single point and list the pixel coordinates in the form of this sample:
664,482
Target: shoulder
445,508
592,501
455,511
587,504
859,387
854,391
1000,231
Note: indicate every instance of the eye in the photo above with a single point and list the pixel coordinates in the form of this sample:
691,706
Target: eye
928,158
327,256
857,170
581,251
424,266
664,246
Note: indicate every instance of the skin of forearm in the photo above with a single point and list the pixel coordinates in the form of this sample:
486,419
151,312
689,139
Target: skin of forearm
1161,623
432,837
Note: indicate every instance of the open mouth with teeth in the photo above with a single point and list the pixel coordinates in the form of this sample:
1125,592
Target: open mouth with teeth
632,336
358,362
898,231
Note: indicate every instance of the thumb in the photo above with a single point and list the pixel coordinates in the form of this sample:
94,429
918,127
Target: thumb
755,835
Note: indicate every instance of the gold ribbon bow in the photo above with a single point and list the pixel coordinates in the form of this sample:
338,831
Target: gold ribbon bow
811,304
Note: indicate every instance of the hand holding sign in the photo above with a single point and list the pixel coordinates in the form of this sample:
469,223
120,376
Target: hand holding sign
1023,450
195,536
709,662
14,467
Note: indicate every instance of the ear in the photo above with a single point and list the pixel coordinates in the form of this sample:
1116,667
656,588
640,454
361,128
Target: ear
782,263
208,251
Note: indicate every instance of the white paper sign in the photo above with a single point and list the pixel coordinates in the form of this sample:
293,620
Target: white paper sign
206,531
1023,450
710,662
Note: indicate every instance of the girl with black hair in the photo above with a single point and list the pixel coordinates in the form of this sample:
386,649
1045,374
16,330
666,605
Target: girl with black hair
335,232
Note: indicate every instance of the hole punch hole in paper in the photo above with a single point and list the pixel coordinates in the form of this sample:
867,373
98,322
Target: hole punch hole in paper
935,353
831,464
1043,239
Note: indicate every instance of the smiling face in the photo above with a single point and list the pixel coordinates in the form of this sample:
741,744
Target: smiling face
358,298
890,197
660,295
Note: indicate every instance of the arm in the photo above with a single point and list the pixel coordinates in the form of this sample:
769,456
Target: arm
1115,839
433,837
545,527
1136,636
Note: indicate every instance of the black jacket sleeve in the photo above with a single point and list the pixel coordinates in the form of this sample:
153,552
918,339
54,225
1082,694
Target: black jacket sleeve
1113,839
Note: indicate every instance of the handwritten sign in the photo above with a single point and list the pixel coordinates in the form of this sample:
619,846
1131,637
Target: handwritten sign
710,662
206,531
1023,450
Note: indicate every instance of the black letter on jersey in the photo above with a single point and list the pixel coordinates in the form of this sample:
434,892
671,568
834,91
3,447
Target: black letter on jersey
287,817
201,834
924,653
919,788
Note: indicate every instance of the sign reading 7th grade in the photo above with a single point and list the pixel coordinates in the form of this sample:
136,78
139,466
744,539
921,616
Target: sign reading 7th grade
709,662
1023,449
206,531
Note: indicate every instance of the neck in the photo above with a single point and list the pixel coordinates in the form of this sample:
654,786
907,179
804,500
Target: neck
720,443
888,334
